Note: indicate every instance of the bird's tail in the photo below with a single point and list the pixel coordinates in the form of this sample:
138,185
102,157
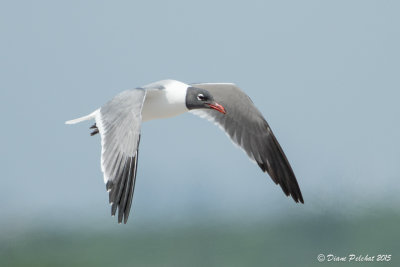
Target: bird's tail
84,118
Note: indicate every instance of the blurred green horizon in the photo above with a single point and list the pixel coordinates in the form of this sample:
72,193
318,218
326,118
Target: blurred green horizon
287,242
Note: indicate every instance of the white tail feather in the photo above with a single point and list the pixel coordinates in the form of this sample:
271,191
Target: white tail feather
84,118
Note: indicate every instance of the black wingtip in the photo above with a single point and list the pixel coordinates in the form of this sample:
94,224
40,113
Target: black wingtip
279,169
109,185
298,198
293,190
285,178
121,193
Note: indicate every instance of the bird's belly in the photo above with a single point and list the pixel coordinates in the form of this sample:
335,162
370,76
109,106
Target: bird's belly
159,108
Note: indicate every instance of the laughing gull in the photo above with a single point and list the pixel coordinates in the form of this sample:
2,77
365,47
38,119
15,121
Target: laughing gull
119,122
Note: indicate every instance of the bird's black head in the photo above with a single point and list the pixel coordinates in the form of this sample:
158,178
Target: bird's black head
197,98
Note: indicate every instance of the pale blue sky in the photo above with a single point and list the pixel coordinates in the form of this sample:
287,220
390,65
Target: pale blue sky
324,73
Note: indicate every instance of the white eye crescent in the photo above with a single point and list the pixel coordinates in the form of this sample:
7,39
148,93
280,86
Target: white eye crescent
201,97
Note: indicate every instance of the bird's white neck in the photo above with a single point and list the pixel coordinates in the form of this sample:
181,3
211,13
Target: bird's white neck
176,92
164,99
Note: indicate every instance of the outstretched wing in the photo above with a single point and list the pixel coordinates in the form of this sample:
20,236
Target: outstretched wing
247,128
119,123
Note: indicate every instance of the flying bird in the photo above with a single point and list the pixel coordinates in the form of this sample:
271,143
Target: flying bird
119,122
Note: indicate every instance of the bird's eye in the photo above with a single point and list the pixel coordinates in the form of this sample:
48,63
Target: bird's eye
201,97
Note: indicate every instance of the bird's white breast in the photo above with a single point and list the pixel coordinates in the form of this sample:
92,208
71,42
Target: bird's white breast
164,103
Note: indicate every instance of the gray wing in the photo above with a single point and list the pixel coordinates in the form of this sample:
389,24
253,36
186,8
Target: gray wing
247,128
119,123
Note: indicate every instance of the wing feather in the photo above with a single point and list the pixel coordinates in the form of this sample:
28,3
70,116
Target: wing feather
248,129
119,123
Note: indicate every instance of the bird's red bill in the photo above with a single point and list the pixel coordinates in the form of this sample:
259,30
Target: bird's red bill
217,107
